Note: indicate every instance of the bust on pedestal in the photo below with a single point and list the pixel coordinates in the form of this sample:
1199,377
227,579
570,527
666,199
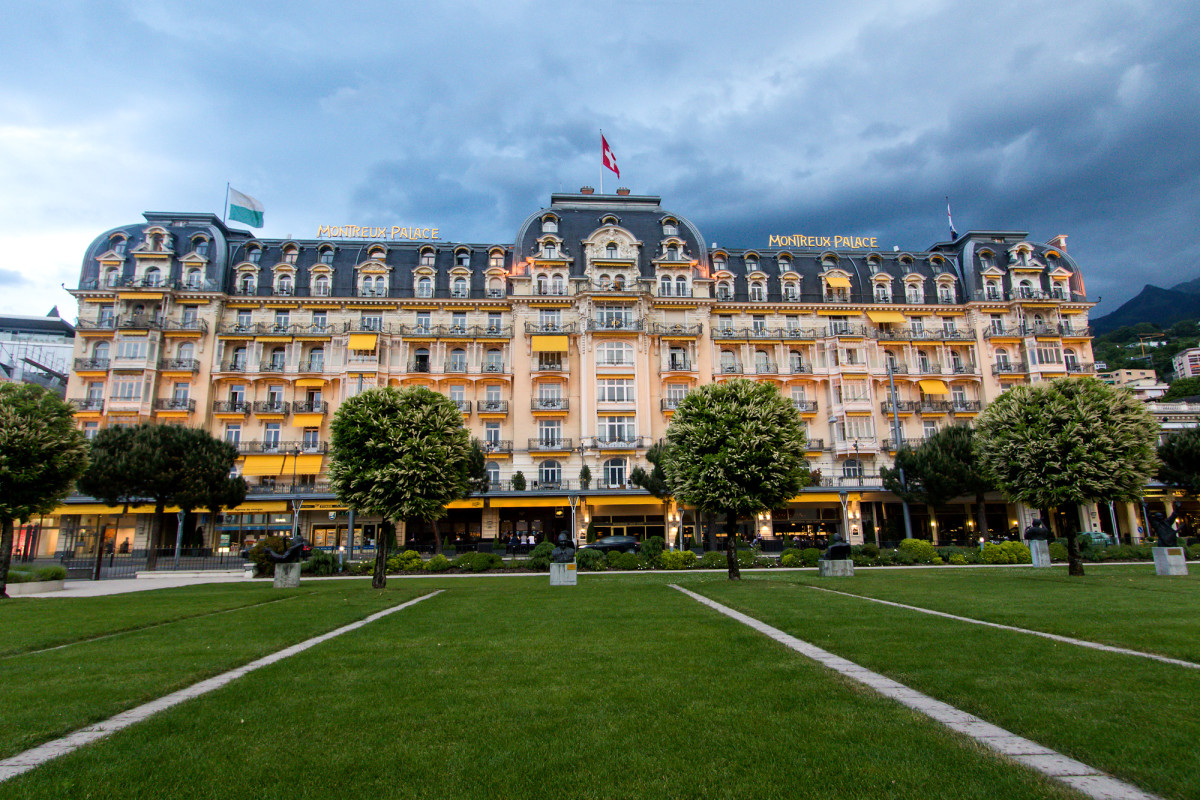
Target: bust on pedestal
836,562
287,563
1169,558
1037,537
562,563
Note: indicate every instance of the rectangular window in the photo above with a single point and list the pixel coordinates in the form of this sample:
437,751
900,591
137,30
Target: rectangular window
958,394
95,391
614,316
132,348
859,428
243,319
760,323
917,324
676,392
617,429
457,393
275,394
491,432
237,394
725,322
550,319
550,432
90,429
311,439
853,390
494,320
233,433
180,393
615,390
929,428
492,393
319,320
458,321
126,389
282,320
372,322
271,436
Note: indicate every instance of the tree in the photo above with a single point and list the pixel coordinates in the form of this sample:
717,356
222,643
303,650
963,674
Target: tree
41,456
654,481
1180,457
735,448
950,469
1183,387
1065,442
162,465
401,454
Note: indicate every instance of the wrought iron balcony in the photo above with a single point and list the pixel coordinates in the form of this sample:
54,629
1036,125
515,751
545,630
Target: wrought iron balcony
271,407
283,447
463,405
239,328
549,327
186,325
104,323
544,443
902,406
91,364
614,324
230,406
493,367
548,366
455,365
491,406
845,329
549,404
814,444
87,403
179,364
965,406
420,365
617,443
663,329
1009,368
498,446
994,331
1080,366
679,365
730,369
306,407
670,403
312,365
797,368
765,368
238,365
805,406
272,366
800,333
174,404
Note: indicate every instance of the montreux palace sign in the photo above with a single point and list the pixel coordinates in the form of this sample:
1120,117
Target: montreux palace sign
833,242
395,232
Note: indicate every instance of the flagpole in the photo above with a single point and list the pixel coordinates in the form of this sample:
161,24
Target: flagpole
225,216
602,161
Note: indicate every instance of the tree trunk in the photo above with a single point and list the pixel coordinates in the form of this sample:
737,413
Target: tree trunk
981,517
437,537
735,573
1074,561
382,542
160,519
710,536
6,541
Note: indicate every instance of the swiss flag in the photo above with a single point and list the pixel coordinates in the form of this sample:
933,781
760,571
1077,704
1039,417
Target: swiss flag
607,156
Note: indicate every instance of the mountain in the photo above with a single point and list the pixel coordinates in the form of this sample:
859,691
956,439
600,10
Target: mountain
1163,307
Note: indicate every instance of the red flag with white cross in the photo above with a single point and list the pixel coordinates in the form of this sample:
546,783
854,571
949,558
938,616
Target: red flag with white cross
607,156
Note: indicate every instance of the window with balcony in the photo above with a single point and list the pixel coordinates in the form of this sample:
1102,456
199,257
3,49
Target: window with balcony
614,354
758,292
729,362
271,435
664,286
549,475
425,287
282,321
494,321
617,430
615,390
371,321
244,320
458,360
321,286
493,361
238,362
233,432
614,473
460,288
550,433
681,287
283,285
677,359
491,434
796,361
421,360
493,473
550,319
112,277
246,284
724,290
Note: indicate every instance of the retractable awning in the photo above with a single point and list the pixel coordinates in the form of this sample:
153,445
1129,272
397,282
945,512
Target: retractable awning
934,387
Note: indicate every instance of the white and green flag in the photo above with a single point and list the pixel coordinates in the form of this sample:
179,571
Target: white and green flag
244,208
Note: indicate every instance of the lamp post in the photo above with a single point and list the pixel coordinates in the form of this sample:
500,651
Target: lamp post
296,502
858,463
844,496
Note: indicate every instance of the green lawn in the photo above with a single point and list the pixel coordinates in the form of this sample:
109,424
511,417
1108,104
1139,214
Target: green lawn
620,687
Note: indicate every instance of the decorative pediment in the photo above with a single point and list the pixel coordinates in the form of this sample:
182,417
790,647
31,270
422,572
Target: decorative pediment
611,243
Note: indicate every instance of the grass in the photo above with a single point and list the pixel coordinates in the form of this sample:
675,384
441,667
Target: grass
620,687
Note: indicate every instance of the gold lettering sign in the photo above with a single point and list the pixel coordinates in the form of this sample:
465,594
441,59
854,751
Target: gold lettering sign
395,233
831,242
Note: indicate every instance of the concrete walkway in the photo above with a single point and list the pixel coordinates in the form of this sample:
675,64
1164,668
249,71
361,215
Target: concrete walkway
35,757
127,585
1075,774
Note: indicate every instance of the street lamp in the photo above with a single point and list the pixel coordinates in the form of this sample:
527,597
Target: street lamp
896,435
858,463
296,502
844,496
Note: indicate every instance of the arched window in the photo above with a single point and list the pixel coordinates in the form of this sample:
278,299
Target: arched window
153,277
239,358
254,254
762,362
614,473
100,351
1026,288
316,359
460,287
550,474
543,283
890,360
118,245
664,286
1001,357
321,286
326,256
277,357
424,287
112,277
670,228
493,360
729,362
495,287
496,261
549,250
790,292
672,253
186,351
202,248
681,287
193,279
913,293
619,283
610,250
289,254
923,361
758,292
851,468
557,285
493,473
458,360
1070,359
284,285
380,286
246,284
796,361
549,225
605,281
421,360
724,290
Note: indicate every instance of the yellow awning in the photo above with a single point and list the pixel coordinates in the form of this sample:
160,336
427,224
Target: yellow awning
618,500
307,420
305,464
934,387
260,508
472,502
549,344
280,339
263,465
363,341
311,382
885,316
100,508
837,281
529,502
824,497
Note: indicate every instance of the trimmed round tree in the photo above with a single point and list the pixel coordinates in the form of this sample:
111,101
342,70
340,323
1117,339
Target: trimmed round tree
1065,442
402,454
1180,456
735,448
41,456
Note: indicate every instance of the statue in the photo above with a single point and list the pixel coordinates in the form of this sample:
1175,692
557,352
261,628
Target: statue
1164,528
565,552
291,555
839,549
1037,530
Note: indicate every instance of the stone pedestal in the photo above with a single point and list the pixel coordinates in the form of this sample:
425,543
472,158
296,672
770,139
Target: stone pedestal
1170,561
1040,550
842,568
563,574
248,571
287,576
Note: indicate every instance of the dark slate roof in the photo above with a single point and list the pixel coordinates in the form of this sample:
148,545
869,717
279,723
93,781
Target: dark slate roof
38,325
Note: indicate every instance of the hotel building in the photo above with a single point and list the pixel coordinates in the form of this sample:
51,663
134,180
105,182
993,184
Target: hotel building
568,348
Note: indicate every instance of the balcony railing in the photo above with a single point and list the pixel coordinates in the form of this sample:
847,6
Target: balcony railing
549,404
798,368
896,368
285,447
455,365
662,329
491,406
549,327
548,366
993,331
312,365
617,443
179,364
313,488
238,365
463,405
91,364
238,328
927,368
271,407
801,333
670,403
729,369
493,367
965,406
230,406
814,444
805,406
185,325
87,403
902,406
544,443
1080,366
419,365
765,368
141,322
679,365
313,407
1009,368
964,369
272,366
174,404
498,446
105,323
614,324
846,329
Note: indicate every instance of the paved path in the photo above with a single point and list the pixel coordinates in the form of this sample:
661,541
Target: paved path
35,757
1079,776
127,585
1056,637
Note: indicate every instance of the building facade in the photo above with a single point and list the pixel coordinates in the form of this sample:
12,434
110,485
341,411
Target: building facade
567,351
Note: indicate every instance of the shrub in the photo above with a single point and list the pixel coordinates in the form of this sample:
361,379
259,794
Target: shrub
791,558
937,560
870,550
518,481
1083,542
747,558
958,560
629,561
1193,552
923,552
810,556
678,559
1058,551
408,561
538,563
16,575
653,547
438,563
861,560
903,556
263,565
542,550
591,560
482,562
995,554
322,562
714,559
789,551
1018,552
360,567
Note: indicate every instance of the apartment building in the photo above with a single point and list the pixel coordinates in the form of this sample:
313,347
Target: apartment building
568,348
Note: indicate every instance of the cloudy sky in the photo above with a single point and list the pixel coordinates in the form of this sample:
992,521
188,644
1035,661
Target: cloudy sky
852,117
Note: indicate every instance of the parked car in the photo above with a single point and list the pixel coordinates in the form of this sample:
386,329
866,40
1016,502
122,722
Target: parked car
607,544
1095,539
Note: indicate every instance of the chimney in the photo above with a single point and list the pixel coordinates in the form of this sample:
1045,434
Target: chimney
622,191
1059,241
586,190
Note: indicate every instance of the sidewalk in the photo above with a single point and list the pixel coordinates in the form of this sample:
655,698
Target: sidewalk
127,585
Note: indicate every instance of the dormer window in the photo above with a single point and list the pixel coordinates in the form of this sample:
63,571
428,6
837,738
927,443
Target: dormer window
289,254
153,277
672,253
462,259
321,286
758,292
790,291
156,242
246,285
112,277
496,261
883,293
460,287
785,265
283,286
549,225
610,250
751,264
325,256
424,287
724,291
670,228
194,279
719,263
427,258
118,245
549,250
202,248
253,254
